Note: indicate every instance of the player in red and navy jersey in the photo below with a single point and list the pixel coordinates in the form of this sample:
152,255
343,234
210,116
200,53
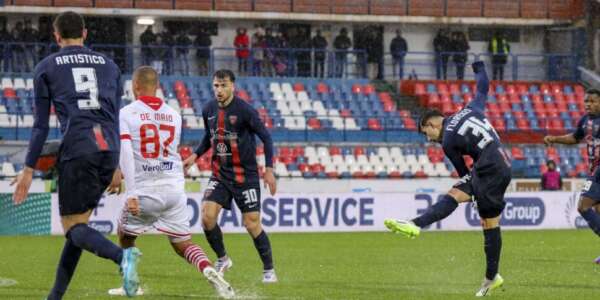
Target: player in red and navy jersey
588,129
84,87
231,125
468,132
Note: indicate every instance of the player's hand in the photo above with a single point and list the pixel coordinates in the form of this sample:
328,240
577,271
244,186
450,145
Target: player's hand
548,140
133,206
115,185
23,182
270,181
190,161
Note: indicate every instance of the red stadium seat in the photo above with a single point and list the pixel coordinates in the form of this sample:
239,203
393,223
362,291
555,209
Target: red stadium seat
332,174
345,113
359,150
395,174
536,98
420,174
10,93
404,113
467,98
243,95
499,125
445,98
333,150
442,88
185,152
556,89
284,151
433,100
447,109
298,151
314,123
502,98
514,99
518,114
356,88
579,90
517,153
298,87
522,89
522,124
511,90
454,89
420,89
544,88
409,124
368,89
322,88
374,124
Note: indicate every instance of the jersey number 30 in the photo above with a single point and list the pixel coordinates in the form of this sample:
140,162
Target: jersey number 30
85,81
149,136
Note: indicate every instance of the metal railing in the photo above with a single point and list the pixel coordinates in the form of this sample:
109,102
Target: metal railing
20,58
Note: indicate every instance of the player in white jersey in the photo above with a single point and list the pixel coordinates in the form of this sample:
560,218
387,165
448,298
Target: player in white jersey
152,168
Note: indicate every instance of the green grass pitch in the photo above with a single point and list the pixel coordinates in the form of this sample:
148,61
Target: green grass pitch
442,265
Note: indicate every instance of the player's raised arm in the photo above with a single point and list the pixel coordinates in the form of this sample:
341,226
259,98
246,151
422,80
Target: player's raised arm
39,134
258,127
570,138
483,86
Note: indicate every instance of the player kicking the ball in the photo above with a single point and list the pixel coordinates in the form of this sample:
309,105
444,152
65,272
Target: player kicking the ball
152,167
468,132
231,125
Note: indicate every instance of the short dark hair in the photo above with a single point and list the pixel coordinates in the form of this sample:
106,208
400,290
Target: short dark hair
593,92
224,74
428,115
69,25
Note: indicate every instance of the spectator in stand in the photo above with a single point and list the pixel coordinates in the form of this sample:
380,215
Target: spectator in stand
269,54
168,41
341,44
460,46
281,54
242,43
18,50
5,49
148,39
158,52
319,45
398,48
551,180
441,46
258,47
203,42
45,39
374,47
304,53
30,37
499,48
182,51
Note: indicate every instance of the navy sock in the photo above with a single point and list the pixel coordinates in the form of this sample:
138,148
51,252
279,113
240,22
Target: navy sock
492,247
263,246
93,241
592,218
436,212
215,239
64,272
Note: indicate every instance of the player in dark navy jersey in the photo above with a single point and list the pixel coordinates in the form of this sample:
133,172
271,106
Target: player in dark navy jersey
588,129
84,87
469,133
231,125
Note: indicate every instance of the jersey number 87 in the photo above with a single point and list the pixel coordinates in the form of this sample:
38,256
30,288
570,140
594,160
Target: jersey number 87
149,134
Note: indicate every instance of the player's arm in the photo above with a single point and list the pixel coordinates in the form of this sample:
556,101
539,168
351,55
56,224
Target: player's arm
202,148
483,86
127,166
39,134
568,139
258,127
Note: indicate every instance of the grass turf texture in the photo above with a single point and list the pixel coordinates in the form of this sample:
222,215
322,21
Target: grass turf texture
449,265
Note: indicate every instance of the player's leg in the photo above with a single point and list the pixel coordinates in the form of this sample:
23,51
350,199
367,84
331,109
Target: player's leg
492,248
460,193
586,207
125,241
216,197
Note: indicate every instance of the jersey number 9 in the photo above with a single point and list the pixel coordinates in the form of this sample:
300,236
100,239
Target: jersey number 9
85,82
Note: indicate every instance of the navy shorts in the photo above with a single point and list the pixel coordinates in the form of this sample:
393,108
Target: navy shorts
246,195
83,180
487,185
591,189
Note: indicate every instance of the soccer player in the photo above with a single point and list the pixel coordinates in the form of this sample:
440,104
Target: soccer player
468,132
84,87
152,167
588,129
231,125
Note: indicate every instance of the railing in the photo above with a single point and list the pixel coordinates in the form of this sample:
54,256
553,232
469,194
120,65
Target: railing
19,58
288,129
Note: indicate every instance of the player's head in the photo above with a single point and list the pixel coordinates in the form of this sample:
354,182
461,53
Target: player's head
223,85
431,124
592,101
144,82
69,29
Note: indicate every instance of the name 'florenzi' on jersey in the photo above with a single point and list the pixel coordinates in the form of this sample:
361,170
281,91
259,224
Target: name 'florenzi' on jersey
468,132
86,99
232,132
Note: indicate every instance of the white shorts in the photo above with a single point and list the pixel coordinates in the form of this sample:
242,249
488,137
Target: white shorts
166,213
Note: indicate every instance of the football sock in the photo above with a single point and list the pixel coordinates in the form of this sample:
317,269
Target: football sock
93,241
492,247
64,272
215,239
263,246
196,256
592,218
436,212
